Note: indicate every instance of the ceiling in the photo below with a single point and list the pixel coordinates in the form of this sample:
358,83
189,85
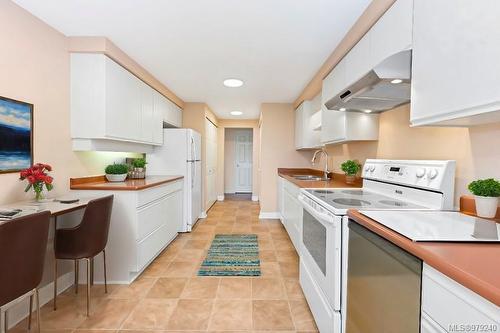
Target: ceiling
274,46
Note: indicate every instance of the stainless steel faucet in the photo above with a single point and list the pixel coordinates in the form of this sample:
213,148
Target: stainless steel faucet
313,161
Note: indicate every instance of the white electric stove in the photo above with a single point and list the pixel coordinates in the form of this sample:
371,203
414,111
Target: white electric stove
388,185
423,226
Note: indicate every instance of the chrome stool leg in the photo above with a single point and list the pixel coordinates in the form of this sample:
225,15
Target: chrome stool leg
105,275
38,314
77,273
55,283
88,285
31,311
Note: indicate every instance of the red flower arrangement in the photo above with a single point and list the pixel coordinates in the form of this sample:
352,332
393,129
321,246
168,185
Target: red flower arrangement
37,177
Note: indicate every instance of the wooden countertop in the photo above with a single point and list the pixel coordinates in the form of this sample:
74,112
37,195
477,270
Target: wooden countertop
474,265
99,183
337,180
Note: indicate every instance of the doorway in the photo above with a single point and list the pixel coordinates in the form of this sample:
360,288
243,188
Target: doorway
238,160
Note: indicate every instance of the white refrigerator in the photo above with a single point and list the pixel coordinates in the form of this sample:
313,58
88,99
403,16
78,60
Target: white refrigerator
181,155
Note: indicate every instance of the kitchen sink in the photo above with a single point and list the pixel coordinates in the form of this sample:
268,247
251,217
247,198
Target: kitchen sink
308,177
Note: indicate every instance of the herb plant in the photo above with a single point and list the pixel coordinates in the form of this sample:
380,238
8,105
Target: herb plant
139,163
350,167
116,169
485,187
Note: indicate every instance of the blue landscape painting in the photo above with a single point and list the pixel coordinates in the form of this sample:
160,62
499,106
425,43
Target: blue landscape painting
15,135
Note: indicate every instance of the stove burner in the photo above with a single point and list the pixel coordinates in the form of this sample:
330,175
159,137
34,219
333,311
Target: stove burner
351,202
354,192
393,203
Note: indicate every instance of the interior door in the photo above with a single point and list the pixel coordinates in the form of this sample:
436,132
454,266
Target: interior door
210,163
243,160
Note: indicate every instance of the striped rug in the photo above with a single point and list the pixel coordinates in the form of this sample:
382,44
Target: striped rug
232,255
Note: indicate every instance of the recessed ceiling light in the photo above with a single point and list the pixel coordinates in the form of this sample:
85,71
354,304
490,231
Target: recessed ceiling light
367,111
396,81
233,83
342,109
236,113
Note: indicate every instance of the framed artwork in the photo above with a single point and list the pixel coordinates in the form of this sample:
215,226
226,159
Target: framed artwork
16,135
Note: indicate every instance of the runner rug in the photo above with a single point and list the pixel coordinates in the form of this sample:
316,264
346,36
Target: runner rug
232,255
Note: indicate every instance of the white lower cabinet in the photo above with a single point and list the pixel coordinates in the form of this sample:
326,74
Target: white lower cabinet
447,306
143,223
291,212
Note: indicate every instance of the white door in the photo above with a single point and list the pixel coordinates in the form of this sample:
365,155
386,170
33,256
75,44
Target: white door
243,160
211,163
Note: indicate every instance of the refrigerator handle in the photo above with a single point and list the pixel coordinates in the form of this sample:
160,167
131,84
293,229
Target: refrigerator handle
193,173
193,149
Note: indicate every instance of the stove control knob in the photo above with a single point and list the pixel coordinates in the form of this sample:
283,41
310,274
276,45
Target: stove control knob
372,168
367,167
420,172
433,173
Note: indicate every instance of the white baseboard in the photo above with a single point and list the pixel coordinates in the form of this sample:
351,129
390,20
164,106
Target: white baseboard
20,311
203,215
220,198
255,198
269,215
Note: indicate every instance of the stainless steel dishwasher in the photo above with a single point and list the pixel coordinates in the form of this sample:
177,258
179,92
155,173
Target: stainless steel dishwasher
383,285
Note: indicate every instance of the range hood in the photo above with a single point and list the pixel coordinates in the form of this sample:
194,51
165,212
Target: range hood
375,92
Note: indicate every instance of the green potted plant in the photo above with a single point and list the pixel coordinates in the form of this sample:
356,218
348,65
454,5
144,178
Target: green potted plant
486,193
116,172
139,164
351,169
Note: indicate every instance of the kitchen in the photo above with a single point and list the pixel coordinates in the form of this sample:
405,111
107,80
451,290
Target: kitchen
443,116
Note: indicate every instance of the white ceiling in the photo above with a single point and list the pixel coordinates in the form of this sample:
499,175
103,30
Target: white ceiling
274,46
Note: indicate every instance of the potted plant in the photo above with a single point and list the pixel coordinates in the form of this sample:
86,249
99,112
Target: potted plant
139,164
486,193
351,169
38,178
116,172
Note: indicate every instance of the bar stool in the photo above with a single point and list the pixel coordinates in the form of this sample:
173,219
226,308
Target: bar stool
23,243
85,241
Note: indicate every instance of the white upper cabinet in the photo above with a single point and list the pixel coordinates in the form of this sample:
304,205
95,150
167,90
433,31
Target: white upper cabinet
456,67
111,109
308,124
343,126
173,115
391,34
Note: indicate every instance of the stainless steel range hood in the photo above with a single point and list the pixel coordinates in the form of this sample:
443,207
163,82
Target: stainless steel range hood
375,92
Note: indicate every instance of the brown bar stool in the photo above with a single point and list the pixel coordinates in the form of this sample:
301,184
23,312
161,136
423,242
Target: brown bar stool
85,241
23,243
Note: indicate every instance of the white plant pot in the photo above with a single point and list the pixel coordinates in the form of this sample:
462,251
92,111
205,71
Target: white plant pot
116,178
486,206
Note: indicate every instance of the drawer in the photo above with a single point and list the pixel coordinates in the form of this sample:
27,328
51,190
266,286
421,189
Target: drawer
148,248
151,216
450,304
151,194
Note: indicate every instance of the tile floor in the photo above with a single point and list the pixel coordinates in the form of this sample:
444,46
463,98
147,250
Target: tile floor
169,296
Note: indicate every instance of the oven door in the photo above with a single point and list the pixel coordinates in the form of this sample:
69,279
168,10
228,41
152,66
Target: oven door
320,246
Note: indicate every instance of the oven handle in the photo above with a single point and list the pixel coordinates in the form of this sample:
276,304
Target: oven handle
320,216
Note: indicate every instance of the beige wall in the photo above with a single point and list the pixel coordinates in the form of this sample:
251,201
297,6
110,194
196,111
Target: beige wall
194,116
235,123
34,68
277,150
230,157
475,149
